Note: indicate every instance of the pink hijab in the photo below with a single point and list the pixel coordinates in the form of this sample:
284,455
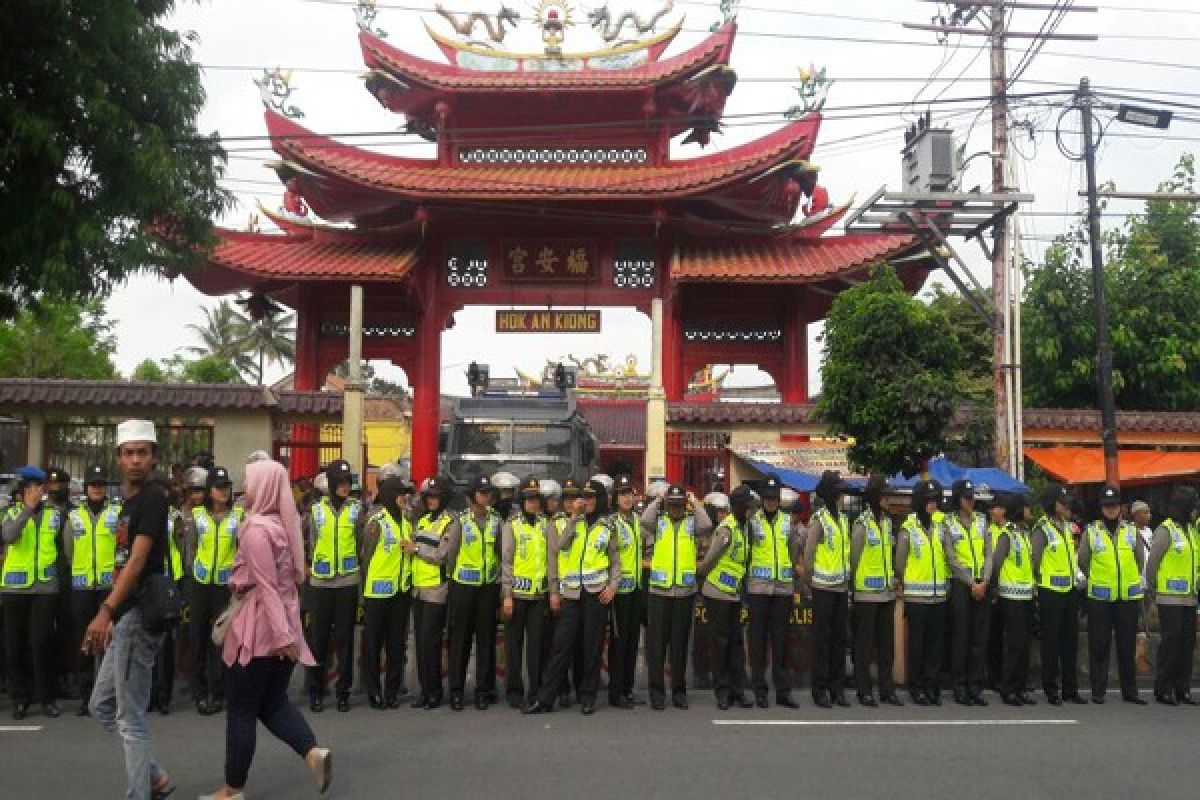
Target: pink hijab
269,494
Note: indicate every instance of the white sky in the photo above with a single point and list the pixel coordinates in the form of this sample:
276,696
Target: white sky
317,38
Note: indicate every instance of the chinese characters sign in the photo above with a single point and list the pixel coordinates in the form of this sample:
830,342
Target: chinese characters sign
550,261
548,322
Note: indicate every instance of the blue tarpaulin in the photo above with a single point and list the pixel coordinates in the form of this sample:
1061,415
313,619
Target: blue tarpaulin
941,470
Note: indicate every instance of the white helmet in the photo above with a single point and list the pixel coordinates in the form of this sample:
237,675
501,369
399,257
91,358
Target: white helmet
196,478
321,483
717,500
389,470
788,498
604,480
505,481
657,489
550,489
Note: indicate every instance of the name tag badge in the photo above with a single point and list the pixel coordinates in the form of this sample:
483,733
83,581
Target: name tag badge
874,583
322,568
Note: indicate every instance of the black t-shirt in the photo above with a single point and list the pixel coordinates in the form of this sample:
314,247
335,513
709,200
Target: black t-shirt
144,514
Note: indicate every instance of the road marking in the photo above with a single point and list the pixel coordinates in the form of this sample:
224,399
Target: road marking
900,723
20,728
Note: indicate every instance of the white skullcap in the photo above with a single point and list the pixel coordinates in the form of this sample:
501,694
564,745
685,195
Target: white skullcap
136,430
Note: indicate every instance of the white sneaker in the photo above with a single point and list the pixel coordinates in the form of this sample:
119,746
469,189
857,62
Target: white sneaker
321,769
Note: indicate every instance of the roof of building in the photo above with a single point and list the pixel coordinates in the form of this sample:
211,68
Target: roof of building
789,260
616,423
136,395
1140,421
740,413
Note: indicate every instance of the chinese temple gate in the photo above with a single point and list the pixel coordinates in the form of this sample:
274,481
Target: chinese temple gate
557,184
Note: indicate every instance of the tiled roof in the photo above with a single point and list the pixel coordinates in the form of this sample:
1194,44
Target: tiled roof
740,413
788,260
616,423
1134,421
300,257
163,396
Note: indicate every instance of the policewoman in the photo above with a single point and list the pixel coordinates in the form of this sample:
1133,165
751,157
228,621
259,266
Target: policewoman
1171,570
629,606
970,605
334,528
1010,576
873,574
387,592
921,561
1109,554
770,592
475,595
1056,572
527,570
827,569
723,577
559,514
436,530
30,534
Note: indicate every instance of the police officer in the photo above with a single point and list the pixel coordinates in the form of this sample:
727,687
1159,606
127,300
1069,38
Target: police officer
1056,571
504,485
770,589
474,595
873,574
629,606
436,530
723,576
921,560
1171,570
91,545
827,566
63,652
334,529
970,606
527,570
1010,576
569,494
387,591
1109,554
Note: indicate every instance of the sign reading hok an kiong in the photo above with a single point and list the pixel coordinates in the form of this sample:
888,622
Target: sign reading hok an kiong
548,322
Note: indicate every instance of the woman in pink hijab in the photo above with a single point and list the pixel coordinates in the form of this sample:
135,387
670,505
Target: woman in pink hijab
265,638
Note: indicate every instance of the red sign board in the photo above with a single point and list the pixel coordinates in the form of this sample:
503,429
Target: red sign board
550,261
548,322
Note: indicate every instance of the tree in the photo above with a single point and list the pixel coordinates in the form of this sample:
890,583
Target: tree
59,339
889,377
223,336
149,371
209,369
975,439
273,337
100,150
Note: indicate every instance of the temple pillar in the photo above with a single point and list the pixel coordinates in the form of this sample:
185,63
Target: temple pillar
426,386
307,377
656,401
675,379
793,383
353,396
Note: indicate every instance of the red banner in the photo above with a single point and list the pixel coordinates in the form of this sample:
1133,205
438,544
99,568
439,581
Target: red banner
550,261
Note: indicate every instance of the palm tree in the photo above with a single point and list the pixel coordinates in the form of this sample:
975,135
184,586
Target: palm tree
223,335
274,337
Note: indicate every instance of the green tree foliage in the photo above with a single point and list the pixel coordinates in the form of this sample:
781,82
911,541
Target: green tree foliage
890,375
98,108
59,339
273,338
975,440
223,336
149,371
177,369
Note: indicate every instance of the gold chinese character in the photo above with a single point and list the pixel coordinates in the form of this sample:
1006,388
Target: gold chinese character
577,262
516,260
547,260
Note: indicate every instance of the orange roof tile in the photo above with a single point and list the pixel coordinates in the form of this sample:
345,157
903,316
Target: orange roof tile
785,261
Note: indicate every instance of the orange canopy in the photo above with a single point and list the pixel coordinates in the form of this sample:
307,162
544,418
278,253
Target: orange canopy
1086,464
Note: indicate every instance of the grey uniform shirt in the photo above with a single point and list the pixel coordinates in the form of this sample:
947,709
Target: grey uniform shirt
508,554
1085,547
812,536
701,526
902,548
562,543
310,537
767,586
13,528
858,541
439,555
1158,548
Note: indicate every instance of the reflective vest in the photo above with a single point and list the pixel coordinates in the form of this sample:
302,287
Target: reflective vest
875,571
560,524
216,545
1113,572
1177,570
926,568
93,547
629,538
673,562
729,573
969,541
529,556
31,558
831,557
389,570
424,574
1015,581
587,557
174,560
336,550
770,557
1058,567
476,563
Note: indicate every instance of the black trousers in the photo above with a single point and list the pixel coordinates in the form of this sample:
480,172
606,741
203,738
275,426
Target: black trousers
926,639
727,657
1107,621
874,629
472,615
769,615
524,648
84,605
579,620
430,622
830,612
968,639
333,616
385,631
162,684
28,632
668,628
574,675
259,691
1059,613
64,649
1176,649
1018,629
206,602
627,612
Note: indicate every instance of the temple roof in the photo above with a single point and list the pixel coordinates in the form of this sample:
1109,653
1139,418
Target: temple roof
788,260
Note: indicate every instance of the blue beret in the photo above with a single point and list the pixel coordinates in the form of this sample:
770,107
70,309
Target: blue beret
31,473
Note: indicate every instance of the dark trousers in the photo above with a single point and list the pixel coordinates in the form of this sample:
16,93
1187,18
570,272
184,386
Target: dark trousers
578,620
64,649
574,676
926,639
668,628
727,657
769,616
472,611
627,612
162,686
430,621
1018,628
968,639
206,603
28,628
874,629
1059,614
333,616
84,605
259,691
1107,621
385,631
524,648
830,610
1176,649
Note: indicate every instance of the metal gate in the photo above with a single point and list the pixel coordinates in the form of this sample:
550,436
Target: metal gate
14,444
75,446
294,440
700,459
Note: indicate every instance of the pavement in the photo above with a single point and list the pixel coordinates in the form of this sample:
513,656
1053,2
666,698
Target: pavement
1111,751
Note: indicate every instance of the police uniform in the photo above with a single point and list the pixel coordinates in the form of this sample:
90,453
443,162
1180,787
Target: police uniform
527,571
921,562
574,675
966,549
433,536
770,595
827,568
629,606
723,577
873,577
387,593
163,687
1010,576
1056,572
1172,566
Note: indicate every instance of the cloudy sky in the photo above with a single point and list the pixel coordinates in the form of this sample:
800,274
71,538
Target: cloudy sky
1147,50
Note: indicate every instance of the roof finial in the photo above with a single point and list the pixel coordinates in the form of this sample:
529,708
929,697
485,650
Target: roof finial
813,90
275,88
365,12
729,11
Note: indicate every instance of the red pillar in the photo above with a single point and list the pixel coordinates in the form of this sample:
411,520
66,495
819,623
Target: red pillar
794,378
674,379
426,385
307,377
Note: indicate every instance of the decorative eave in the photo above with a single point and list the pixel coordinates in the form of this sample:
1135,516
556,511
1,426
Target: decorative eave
794,259
653,47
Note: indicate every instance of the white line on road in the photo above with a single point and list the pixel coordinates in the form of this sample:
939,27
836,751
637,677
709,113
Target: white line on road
871,723
20,728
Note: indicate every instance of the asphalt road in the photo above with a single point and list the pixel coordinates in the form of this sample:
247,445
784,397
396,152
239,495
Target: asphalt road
1110,751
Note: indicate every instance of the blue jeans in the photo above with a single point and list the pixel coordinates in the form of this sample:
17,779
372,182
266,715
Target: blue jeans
121,696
